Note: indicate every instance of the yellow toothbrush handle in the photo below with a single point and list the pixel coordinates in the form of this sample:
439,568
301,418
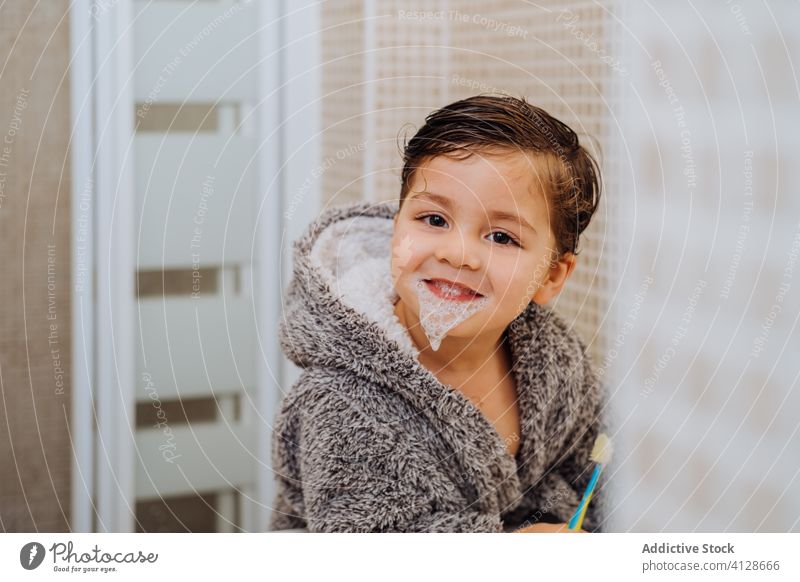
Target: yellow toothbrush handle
583,511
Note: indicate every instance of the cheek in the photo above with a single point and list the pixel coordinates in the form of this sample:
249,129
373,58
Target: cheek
516,283
404,248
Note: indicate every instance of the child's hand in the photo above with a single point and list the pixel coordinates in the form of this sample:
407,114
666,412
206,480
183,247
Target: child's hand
549,528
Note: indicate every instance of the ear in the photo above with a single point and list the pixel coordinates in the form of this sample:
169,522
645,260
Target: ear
558,274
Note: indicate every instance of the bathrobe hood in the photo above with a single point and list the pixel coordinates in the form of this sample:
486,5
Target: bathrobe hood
339,306
338,315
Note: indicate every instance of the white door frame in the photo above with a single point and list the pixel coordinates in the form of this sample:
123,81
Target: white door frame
82,266
102,252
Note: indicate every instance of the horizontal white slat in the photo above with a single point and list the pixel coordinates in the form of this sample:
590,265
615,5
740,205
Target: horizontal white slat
195,51
187,198
203,458
208,343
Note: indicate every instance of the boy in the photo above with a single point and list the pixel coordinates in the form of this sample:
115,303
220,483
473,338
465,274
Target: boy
438,394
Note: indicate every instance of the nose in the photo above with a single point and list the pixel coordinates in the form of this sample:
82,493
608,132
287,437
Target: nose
457,250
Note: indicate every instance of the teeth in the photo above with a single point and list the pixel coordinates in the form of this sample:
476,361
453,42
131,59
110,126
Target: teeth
452,290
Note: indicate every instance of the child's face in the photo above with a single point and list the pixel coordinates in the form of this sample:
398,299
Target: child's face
450,233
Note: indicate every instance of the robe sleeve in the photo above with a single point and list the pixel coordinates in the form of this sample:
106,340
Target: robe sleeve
556,497
358,477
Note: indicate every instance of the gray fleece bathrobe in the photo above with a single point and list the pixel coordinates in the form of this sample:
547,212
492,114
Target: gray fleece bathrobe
368,440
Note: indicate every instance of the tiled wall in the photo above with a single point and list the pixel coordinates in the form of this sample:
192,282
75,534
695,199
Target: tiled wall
342,105
35,282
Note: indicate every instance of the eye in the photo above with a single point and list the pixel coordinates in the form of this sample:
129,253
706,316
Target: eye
504,240
505,236
427,216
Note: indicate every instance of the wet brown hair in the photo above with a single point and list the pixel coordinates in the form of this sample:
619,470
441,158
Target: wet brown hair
488,123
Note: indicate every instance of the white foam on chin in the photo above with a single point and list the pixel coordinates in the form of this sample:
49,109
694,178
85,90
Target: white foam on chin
438,315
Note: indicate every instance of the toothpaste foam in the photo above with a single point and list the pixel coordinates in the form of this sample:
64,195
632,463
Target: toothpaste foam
438,316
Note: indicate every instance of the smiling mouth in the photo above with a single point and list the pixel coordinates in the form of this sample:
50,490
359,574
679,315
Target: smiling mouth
452,291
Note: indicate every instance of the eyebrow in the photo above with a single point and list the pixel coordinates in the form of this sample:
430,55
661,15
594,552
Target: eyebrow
495,214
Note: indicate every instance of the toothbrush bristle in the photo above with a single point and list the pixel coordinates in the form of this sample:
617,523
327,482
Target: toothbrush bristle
601,451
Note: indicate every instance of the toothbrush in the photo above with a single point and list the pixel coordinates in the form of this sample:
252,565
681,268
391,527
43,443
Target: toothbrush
601,455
